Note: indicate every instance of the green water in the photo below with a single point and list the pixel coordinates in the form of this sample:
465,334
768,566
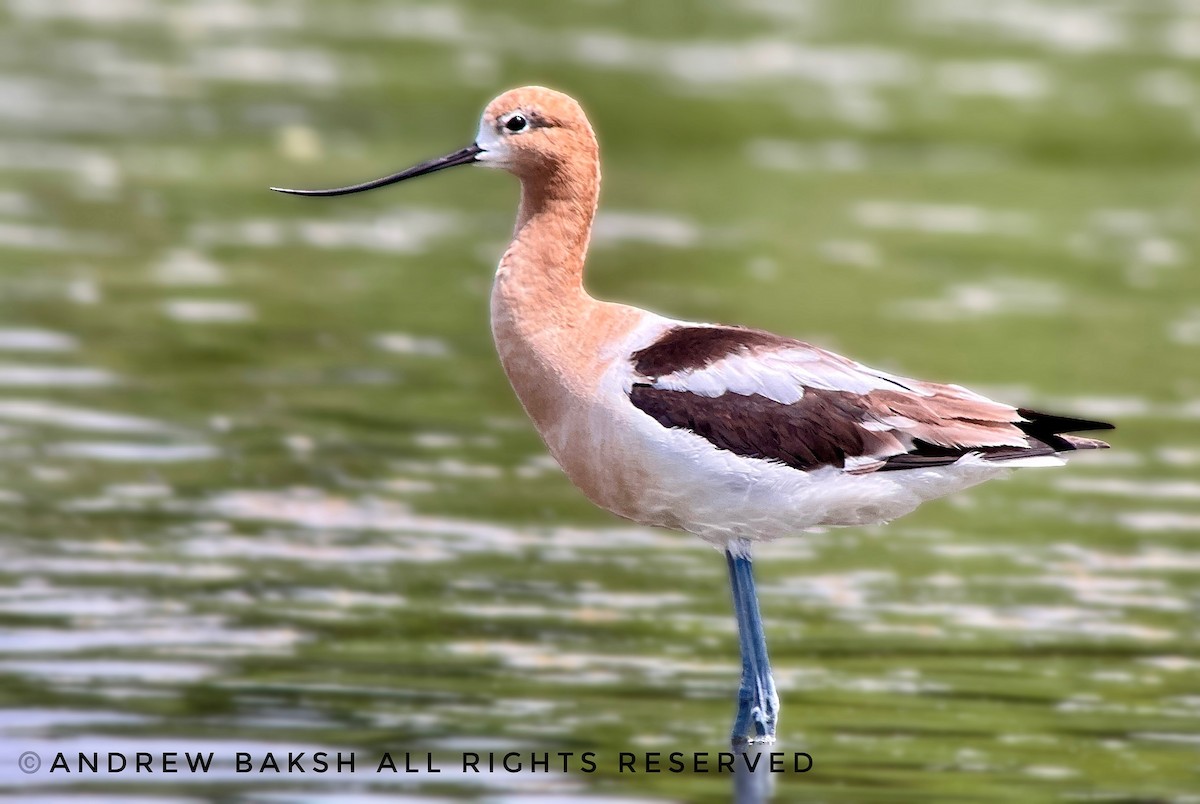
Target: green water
263,486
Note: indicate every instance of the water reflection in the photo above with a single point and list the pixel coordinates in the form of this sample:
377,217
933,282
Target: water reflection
753,782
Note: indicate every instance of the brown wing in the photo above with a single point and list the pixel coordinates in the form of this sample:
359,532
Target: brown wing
727,385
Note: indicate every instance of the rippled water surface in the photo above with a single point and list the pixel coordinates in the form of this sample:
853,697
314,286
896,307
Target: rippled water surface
263,486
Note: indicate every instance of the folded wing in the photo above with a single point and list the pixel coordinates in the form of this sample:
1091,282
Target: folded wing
764,396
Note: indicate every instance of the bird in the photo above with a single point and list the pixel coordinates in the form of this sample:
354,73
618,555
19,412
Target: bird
734,434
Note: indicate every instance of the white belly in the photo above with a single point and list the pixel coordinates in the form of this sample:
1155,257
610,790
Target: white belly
628,463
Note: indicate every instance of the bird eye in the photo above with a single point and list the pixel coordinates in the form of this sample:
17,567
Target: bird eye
516,123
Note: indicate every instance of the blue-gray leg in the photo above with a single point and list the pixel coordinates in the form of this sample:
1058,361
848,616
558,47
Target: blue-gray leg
758,705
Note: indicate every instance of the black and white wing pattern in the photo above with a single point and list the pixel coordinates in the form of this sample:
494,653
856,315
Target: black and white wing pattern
765,396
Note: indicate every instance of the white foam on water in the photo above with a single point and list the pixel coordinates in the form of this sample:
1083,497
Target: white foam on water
1056,620
959,219
209,311
300,143
199,18
1106,407
69,566
403,343
1172,664
834,66
431,440
255,64
1052,772
401,231
45,600
615,227
91,167
427,22
133,452
1115,592
182,635
36,340
316,509
54,414
138,491
1157,489
32,237
327,552
1168,737
347,599
17,720
110,12
1171,88
1000,296
1182,38
449,467
15,204
88,671
1151,521
901,682
188,267
1145,559
120,74
548,661
1123,221
1067,27
833,156
1010,80
83,291
811,14
1179,455
850,75
1185,330
21,375
844,592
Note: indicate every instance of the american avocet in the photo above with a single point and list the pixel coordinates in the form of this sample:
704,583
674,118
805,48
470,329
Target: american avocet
736,435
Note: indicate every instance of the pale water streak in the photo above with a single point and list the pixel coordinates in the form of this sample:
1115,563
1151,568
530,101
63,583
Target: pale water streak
35,340
402,231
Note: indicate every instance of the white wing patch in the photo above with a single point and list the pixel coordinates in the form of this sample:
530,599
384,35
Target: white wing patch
782,375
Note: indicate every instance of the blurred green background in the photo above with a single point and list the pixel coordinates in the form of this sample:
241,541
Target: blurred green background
263,484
